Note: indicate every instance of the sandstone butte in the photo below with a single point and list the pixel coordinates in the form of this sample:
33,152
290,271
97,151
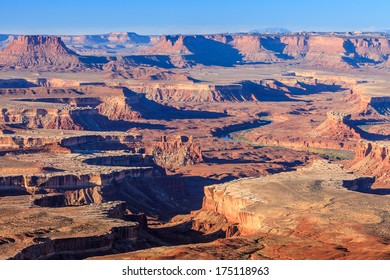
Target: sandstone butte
214,146
33,51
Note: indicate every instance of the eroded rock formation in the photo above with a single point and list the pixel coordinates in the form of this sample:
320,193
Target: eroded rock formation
173,151
320,50
271,205
336,131
40,118
373,158
63,232
35,51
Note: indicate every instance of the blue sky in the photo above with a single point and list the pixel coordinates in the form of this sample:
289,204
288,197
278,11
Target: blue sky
189,16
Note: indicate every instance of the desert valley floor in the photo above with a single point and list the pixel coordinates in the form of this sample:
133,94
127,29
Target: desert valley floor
226,146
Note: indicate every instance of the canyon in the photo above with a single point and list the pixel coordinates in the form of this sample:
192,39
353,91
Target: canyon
208,146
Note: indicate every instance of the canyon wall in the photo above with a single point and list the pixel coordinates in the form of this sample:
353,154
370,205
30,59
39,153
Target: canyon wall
84,245
10,141
348,50
40,118
325,50
373,158
174,151
261,205
34,183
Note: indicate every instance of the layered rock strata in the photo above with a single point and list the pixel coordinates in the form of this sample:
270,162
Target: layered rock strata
14,141
64,232
276,204
174,151
38,51
373,159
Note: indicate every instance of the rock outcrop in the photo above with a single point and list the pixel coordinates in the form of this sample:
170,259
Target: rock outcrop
174,151
38,51
380,104
336,131
256,90
170,45
63,232
158,91
39,183
373,159
253,203
40,118
316,212
84,107
321,202
22,141
119,108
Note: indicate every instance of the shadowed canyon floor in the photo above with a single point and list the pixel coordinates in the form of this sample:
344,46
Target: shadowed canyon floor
241,146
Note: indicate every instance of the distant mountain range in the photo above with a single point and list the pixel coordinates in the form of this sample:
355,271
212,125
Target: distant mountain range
271,30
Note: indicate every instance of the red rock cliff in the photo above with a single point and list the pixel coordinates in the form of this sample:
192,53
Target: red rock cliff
31,51
175,151
373,158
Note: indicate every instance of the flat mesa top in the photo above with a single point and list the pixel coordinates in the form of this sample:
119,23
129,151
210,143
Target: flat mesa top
52,164
63,134
319,171
318,192
24,224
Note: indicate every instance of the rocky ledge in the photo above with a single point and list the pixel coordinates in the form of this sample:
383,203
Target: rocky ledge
32,232
373,158
321,202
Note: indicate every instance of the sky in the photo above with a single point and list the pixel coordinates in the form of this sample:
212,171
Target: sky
59,17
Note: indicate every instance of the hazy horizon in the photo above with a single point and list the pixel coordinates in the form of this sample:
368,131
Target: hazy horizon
191,17
192,33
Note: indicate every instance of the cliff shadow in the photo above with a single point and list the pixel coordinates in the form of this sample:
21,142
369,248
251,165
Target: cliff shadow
276,46
287,166
355,124
384,191
162,61
353,58
211,53
183,233
16,83
162,197
156,196
356,60
194,189
150,109
364,185
265,93
290,164
307,89
382,108
280,92
90,60
97,122
222,132
302,88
